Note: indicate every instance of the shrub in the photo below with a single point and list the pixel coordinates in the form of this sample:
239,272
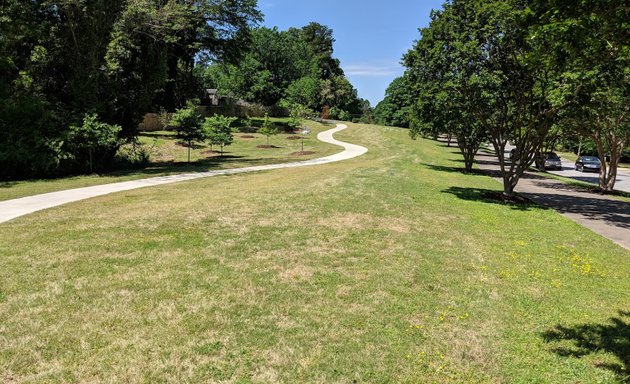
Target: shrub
94,143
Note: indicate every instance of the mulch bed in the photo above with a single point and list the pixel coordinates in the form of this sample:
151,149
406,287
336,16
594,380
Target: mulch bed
304,153
266,146
294,137
210,152
247,137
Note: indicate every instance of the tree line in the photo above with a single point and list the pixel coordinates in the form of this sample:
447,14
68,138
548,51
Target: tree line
77,76
530,73
287,68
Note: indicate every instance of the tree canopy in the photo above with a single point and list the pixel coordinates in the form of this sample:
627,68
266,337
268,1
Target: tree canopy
118,59
514,71
394,109
287,67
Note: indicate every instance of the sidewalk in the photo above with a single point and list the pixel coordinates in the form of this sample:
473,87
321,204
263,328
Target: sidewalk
600,213
11,209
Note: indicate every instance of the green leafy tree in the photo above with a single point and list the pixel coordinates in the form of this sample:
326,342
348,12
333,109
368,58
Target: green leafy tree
187,124
294,66
92,140
298,113
496,76
437,79
589,40
305,91
394,110
217,130
268,129
118,58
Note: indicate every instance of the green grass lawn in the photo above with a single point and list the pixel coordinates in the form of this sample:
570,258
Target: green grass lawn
392,267
169,156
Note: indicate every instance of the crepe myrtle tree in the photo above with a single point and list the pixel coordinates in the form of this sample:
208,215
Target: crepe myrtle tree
497,74
588,40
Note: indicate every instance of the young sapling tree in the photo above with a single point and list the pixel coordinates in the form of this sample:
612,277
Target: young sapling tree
268,129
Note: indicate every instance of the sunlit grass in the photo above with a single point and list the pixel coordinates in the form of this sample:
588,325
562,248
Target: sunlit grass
169,156
369,270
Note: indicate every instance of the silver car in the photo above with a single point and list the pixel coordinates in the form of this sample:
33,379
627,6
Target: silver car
588,164
552,161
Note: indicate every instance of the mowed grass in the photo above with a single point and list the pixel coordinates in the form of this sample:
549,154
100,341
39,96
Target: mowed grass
391,267
169,156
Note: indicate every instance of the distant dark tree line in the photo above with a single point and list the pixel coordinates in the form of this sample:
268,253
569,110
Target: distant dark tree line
530,73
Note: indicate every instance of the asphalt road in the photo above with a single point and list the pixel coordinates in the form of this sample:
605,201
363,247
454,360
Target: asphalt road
568,170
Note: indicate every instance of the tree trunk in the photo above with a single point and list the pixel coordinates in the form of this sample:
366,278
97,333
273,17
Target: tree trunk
469,156
468,163
540,162
189,144
509,183
603,171
90,160
449,138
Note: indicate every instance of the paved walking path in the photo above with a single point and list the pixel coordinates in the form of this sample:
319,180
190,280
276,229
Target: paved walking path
11,209
600,213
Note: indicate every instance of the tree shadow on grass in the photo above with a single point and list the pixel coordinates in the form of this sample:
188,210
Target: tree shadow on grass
168,167
444,168
490,196
157,135
7,184
585,339
203,165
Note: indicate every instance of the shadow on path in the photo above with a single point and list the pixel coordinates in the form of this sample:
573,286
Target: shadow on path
585,339
613,212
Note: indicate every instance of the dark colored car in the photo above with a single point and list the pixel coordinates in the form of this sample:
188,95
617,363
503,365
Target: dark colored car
552,161
588,164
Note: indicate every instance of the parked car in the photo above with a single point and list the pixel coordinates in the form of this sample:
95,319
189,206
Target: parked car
588,164
552,161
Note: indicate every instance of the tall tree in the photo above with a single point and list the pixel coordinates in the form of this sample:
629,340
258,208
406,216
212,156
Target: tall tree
395,108
61,60
501,76
287,67
590,41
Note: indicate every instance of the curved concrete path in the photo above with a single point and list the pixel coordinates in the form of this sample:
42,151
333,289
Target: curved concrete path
11,209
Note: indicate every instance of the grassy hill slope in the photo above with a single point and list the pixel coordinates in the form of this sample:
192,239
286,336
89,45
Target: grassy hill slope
392,267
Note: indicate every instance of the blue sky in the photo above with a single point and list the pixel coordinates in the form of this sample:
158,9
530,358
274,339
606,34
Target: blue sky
370,36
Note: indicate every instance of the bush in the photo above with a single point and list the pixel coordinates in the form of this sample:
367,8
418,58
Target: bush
133,155
35,151
93,144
